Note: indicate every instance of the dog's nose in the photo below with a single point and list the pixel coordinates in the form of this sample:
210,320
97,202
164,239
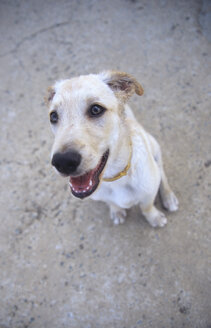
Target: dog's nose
67,162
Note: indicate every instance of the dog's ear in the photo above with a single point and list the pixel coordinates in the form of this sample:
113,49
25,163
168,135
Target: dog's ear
123,85
50,94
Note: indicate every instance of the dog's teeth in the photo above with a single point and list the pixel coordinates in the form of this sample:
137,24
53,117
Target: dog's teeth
70,184
81,191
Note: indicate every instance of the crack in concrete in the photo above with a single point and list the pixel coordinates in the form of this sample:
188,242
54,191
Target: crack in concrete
32,36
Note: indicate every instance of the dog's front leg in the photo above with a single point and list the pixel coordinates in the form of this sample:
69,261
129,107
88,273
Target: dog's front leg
155,217
117,214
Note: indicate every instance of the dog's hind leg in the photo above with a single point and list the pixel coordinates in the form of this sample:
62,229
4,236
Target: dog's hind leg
168,198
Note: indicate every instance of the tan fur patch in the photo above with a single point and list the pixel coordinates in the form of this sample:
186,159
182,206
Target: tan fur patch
124,85
49,97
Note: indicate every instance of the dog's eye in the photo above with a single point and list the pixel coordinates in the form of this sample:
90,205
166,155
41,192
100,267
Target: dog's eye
54,117
96,110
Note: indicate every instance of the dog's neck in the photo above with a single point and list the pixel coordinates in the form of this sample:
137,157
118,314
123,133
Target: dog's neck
123,172
120,157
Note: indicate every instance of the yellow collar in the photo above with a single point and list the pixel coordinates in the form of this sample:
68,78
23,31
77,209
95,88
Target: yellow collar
122,173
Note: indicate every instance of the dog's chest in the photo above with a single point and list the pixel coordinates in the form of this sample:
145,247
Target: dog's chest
122,193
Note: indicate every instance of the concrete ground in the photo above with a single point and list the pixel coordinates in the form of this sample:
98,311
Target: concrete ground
62,262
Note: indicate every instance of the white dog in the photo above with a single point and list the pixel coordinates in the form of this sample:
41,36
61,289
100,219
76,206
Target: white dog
103,149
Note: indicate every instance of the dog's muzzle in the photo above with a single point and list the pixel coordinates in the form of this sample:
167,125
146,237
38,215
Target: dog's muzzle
84,185
81,185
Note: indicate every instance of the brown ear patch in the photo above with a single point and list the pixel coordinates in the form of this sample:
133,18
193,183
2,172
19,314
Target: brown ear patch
50,94
120,85
123,84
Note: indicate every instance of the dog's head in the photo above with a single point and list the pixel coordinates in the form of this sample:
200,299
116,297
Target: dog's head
85,115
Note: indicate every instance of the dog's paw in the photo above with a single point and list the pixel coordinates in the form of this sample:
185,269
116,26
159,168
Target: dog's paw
170,202
118,217
157,220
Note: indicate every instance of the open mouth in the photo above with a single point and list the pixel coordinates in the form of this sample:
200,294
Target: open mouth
84,185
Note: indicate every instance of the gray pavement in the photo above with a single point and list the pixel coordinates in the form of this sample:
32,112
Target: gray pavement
62,262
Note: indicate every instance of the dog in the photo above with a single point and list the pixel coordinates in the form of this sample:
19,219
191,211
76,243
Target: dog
105,152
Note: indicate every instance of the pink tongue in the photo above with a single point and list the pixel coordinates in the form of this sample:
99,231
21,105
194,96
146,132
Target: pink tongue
82,182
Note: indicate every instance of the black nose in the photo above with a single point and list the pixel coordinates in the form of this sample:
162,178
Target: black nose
67,162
